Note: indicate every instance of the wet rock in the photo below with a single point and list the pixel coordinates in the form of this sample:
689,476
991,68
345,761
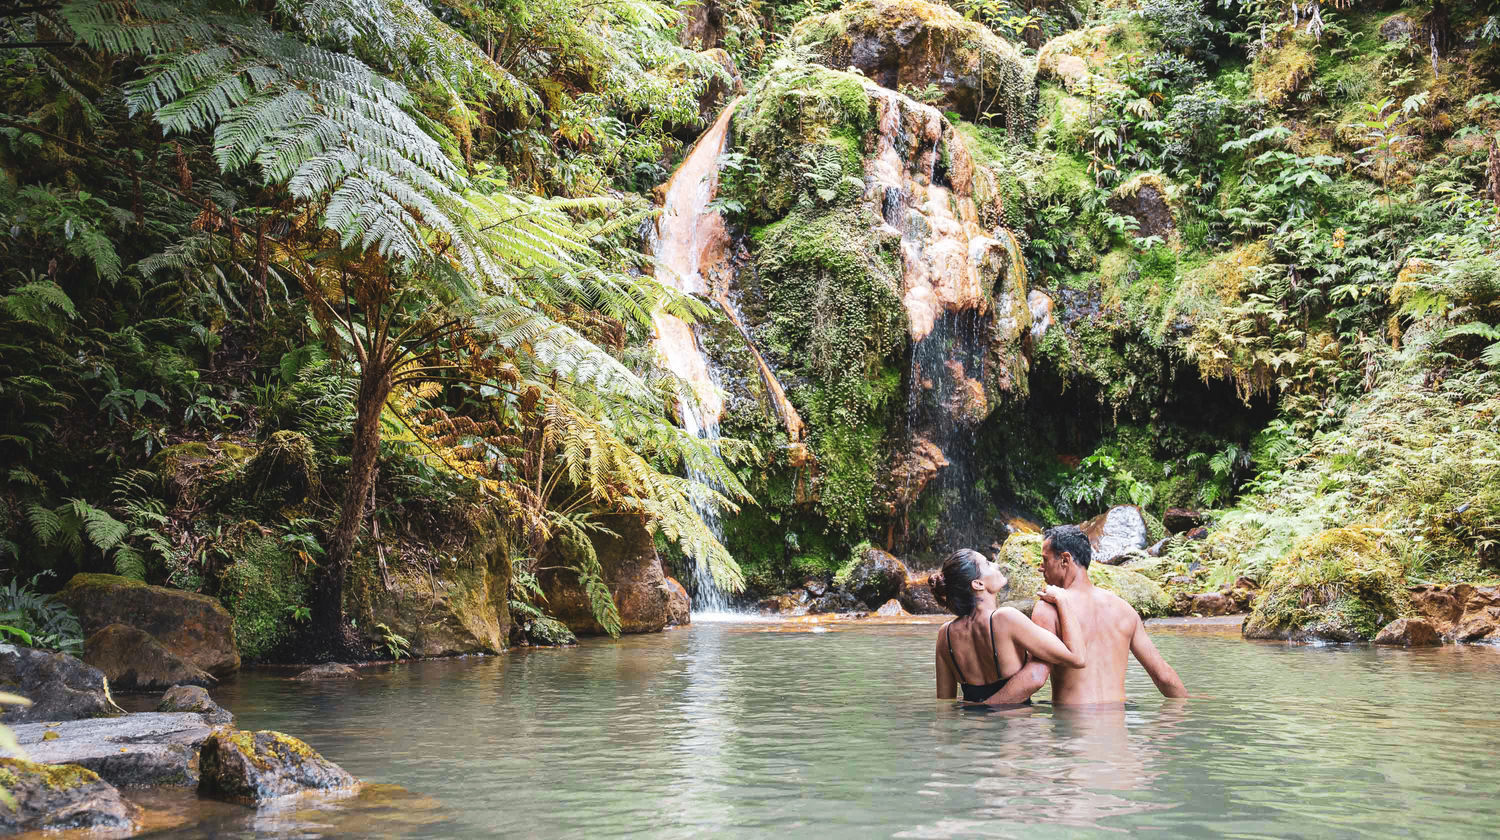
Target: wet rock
328,671
256,767
1181,580
703,26
1459,613
815,588
836,601
139,750
801,596
679,606
59,686
917,598
1178,520
1115,532
1020,558
50,797
1040,304
1156,548
777,604
1398,27
1143,594
891,608
913,44
1145,198
1205,604
193,698
133,660
912,468
633,573
193,627
1197,534
1408,632
877,577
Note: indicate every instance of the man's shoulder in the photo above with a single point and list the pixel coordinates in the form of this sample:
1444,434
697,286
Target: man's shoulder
1116,606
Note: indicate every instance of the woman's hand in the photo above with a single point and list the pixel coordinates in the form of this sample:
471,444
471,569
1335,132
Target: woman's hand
1054,594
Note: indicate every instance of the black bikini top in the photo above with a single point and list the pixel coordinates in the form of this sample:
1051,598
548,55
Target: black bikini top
978,693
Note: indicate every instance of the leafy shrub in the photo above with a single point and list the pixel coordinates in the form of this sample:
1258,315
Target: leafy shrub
42,621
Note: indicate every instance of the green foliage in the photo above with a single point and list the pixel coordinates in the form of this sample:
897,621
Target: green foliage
39,620
394,643
264,586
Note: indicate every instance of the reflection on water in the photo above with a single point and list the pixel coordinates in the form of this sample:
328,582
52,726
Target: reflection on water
744,730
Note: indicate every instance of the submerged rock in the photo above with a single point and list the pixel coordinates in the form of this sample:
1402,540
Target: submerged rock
1116,532
54,797
193,627
679,606
59,686
877,577
328,671
193,698
915,45
1409,632
133,659
256,767
137,750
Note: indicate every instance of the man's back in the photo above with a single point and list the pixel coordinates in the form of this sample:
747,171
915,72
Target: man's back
1112,631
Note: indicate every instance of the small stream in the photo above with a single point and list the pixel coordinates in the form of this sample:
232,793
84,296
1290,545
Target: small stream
745,730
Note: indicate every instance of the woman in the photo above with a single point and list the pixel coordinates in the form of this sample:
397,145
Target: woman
987,643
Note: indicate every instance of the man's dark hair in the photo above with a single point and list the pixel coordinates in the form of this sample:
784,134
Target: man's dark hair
1072,539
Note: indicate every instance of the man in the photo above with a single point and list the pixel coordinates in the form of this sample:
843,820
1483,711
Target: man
1111,630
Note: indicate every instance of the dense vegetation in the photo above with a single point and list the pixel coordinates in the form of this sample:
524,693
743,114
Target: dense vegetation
299,295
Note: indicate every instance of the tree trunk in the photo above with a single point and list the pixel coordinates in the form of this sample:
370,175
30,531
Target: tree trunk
328,611
1494,170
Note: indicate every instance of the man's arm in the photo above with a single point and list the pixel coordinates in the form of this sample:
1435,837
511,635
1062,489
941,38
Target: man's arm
947,681
1145,652
1033,675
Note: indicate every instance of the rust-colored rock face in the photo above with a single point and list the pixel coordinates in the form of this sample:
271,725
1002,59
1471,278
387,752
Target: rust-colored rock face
679,606
1459,613
133,659
633,573
917,598
194,627
1409,632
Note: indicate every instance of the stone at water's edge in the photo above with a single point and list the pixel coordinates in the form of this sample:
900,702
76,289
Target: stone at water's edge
59,686
1409,632
1143,594
891,608
328,671
1460,613
679,606
60,797
836,601
916,597
633,573
259,766
133,659
876,578
136,750
1116,532
194,627
193,698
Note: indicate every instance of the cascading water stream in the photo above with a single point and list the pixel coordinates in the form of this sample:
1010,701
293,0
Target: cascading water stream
689,239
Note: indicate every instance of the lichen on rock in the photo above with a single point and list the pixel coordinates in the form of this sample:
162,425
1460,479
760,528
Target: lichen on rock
1338,585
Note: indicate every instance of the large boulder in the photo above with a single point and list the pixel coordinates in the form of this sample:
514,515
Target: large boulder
256,767
462,608
1143,594
58,686
1116,532
1409,632
679,606
1339,585
1020,558
632,572
138,750
1459,613
876,577
194,698
916,597
133,659
920,46
194,627
53,797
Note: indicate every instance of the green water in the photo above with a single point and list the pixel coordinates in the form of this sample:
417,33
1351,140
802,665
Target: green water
750,730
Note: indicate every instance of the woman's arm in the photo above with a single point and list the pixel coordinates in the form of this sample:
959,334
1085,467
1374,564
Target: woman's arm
947,681
1045,646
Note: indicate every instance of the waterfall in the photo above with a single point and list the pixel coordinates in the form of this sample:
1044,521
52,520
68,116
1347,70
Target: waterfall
921,180
690,239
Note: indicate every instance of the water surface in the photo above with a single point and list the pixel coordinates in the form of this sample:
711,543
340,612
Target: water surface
746,730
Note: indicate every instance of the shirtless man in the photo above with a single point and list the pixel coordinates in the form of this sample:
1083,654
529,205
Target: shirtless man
1109,628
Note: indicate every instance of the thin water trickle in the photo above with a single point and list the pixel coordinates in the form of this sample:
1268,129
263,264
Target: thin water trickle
690,240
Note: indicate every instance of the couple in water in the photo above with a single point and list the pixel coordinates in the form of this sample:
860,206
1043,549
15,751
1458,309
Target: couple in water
1079,635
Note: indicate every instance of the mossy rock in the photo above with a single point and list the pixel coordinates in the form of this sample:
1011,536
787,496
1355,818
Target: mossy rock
1143,594
256,767
1021,559
286,465
1339,585
919,46
60,796
194,627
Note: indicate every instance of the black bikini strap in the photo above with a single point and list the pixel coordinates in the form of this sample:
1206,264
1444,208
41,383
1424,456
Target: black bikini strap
993,650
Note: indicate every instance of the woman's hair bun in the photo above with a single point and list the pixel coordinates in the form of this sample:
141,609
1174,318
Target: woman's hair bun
939,589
